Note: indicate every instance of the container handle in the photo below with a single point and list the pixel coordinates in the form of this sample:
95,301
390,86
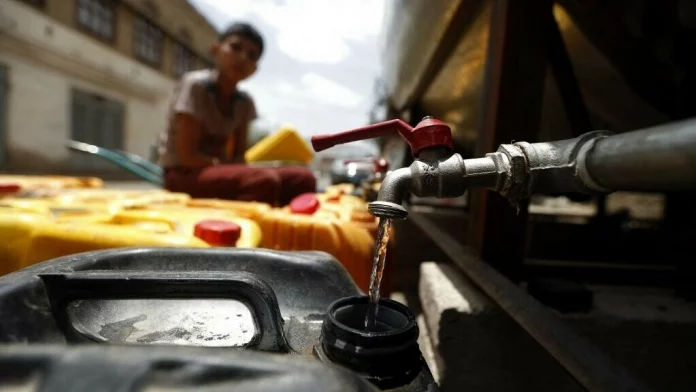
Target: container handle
64,288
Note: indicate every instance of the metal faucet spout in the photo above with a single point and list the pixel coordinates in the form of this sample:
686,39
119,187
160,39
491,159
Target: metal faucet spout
435,173
392,192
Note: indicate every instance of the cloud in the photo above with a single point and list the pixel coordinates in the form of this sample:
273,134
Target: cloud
312,87
329,91
286,88
312,31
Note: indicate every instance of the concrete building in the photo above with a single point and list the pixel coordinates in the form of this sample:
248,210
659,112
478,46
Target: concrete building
97,71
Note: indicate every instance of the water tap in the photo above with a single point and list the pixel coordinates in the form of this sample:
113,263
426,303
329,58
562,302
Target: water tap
435,172
514,170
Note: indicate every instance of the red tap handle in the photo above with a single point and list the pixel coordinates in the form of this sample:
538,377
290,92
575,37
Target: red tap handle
428,133
324,142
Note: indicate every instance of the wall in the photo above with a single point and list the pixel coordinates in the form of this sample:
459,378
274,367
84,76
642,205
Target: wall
172,17
45,59
175,15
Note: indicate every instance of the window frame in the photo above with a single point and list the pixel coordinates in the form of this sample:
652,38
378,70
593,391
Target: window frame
97,110
181,50
148,24
109,4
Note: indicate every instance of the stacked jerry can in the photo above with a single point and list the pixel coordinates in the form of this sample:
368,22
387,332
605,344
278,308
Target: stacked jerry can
54,221
335,223
171,289
16,184
31,237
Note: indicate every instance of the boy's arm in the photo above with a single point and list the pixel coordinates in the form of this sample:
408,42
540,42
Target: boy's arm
187,126
187,142
237,144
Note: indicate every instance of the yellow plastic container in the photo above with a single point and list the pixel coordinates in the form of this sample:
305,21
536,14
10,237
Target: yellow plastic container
284,145
340,189
348,208
58,239
245,209
183,221
59,210
349,243
16,229
121,197
29,183
9,205
154,211
29,238
339,224
76,202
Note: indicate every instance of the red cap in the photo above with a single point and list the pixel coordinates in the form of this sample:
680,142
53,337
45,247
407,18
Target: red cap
9,188
381,165
218,232
306,203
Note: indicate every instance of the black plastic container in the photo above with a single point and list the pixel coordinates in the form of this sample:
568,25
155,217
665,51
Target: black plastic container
104,368
387,355
220,300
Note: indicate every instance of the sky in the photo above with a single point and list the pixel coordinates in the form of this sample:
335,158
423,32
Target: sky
320,62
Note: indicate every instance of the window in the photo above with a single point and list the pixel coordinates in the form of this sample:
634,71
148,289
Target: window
95,120
184,60
148,41
97,17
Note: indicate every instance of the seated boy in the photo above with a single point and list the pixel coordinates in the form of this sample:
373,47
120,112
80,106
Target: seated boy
202,150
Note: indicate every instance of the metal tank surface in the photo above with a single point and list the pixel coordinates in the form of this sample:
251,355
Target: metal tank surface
437,58
258,320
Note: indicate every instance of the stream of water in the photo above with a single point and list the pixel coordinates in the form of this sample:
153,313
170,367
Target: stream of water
378,262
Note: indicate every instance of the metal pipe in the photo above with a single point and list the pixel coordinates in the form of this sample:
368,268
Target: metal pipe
553,167
481,173
658,158
578,355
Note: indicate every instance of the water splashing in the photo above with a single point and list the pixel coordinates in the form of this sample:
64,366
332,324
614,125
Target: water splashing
378,262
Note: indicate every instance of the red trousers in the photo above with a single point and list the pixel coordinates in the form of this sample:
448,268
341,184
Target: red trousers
275,186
